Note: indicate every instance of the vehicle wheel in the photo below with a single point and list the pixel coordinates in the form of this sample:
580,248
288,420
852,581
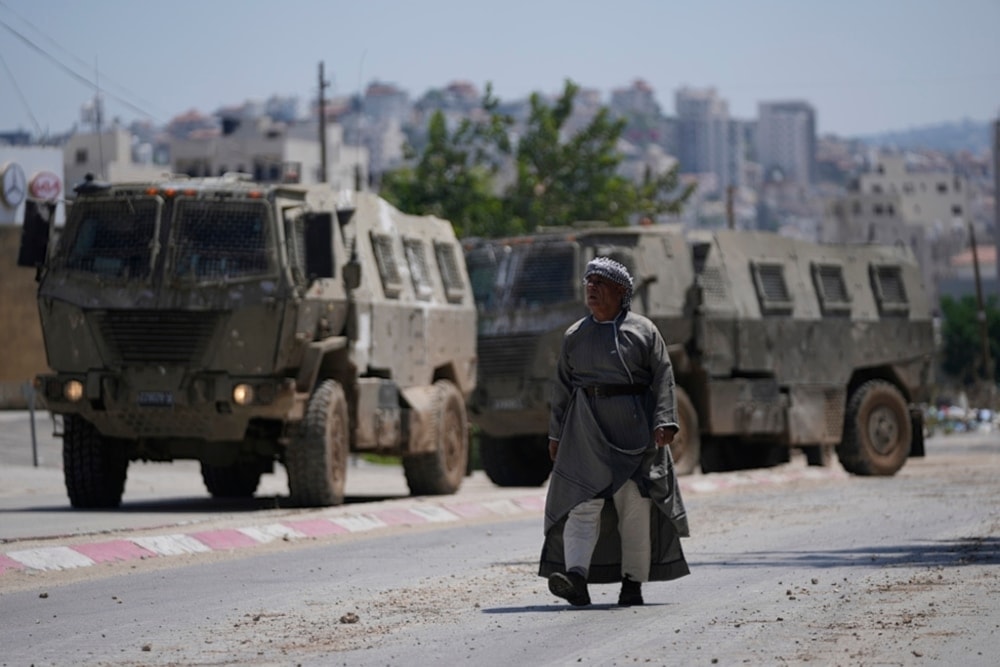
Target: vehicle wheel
877,430
316,459
440,472
686,447
95,467
239,480
517,461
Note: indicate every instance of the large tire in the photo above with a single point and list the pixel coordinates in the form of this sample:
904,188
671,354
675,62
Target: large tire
877,430
239,480
518,461
316,459
94,467
440,472
686,447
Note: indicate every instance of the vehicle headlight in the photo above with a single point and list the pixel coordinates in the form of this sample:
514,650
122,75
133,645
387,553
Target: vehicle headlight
243,394
73,391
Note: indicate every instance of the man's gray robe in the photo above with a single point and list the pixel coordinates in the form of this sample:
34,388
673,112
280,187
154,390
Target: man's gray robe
605,441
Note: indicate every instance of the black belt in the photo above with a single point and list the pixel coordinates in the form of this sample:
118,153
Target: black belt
607,390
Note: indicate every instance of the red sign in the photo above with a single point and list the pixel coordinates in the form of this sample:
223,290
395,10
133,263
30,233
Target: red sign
45,185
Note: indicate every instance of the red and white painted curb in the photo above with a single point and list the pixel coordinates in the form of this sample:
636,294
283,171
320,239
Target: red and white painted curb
125,549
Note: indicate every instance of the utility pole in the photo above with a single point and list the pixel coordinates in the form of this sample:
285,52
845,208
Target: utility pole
322,126
730,213
984,333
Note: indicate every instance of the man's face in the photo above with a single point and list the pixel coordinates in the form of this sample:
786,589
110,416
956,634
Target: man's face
604,298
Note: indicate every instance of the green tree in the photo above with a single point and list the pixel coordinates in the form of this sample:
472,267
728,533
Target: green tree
560,178
961,339
453,178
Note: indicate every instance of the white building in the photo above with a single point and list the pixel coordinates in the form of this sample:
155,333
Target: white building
273,152
786,142
107,155
892,204
938,200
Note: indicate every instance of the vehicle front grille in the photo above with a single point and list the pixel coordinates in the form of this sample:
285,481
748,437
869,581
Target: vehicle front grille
156,336
505,355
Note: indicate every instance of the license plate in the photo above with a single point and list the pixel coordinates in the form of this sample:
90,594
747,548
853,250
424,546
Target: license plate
156,399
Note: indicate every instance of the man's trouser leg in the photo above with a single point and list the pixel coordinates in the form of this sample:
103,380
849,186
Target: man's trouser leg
583,527
633,527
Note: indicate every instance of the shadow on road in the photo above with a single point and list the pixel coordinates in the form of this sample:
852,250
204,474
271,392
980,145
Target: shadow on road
944,553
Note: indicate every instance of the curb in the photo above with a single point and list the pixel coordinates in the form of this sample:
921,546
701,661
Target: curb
54,558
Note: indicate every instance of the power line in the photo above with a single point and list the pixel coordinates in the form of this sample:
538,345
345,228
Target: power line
79,61
24,100
79,77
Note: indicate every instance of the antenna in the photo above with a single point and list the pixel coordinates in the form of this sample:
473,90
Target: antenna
359,123
97,118
323,83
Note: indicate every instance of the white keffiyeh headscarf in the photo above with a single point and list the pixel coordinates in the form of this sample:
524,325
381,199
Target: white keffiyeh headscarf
613,271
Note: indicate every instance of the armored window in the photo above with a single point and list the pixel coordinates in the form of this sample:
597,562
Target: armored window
831,289
113,237
481,263
451,275
890,292
772,291
392,284
713,286
416,259
310,243
221,240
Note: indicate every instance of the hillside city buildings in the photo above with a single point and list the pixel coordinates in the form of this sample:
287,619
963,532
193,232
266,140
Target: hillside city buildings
771,172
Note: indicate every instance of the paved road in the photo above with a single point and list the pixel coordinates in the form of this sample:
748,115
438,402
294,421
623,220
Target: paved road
786,569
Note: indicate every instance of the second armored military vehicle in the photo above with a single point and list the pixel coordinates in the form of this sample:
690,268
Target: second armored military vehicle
776,343
239,324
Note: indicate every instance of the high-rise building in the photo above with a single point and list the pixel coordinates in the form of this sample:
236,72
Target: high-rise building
708,142
996,190
786,142
635,100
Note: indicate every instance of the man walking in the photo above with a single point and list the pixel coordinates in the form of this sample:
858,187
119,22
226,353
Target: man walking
613,417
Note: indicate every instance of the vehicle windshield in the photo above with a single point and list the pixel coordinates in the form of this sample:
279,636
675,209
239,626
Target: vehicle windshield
543,275
522,275
112,237
216,240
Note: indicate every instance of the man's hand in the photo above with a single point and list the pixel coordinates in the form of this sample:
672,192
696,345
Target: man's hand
664,435
553,448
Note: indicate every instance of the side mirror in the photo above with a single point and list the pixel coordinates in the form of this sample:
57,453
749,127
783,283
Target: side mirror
35,233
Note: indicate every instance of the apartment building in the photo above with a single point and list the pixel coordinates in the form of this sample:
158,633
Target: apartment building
893,204
786,142
708,141
936,199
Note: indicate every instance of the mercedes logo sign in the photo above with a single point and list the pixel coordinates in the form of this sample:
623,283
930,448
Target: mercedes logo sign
13,185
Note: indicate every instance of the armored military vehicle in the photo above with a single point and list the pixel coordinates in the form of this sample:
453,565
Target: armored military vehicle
239,324
776,343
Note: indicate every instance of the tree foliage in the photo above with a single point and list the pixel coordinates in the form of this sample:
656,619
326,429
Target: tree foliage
559,177
453,177
961,338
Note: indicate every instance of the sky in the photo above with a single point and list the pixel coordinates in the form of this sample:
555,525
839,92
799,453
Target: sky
866,66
